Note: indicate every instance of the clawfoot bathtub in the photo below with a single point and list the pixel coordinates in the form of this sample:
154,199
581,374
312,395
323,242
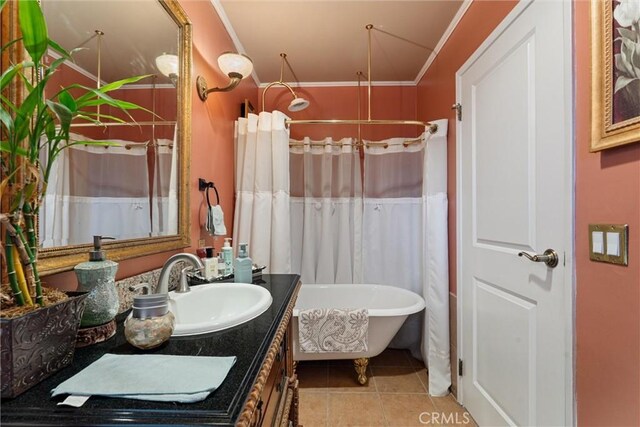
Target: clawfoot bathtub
388,308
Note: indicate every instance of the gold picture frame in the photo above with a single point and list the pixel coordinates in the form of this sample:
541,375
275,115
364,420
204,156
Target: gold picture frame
615,97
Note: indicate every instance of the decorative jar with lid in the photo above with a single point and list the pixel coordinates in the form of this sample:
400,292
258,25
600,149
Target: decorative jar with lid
150,322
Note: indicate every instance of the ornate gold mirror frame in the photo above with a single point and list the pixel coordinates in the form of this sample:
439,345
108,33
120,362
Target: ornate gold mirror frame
54,260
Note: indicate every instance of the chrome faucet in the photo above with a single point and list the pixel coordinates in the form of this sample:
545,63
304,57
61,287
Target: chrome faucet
163,281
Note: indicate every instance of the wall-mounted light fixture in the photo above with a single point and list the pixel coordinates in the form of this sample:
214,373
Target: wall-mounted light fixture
168,66
235,65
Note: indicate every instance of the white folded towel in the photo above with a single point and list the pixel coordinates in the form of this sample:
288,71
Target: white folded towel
155,377
333,330
215,221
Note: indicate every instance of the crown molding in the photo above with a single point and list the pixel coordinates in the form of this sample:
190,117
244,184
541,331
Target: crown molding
452,26
232,33
75,67
344,84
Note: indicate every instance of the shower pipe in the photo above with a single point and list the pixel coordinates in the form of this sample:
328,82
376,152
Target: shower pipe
282,83
430,127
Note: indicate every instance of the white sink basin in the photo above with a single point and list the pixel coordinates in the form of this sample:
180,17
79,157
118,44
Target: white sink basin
217,306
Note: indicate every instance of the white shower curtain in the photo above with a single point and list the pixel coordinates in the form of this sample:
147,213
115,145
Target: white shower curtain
165,196
326,211
95,190
405,241
261,216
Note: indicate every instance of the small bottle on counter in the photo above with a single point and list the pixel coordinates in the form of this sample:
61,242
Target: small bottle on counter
210,265
221,268
242,267
227,253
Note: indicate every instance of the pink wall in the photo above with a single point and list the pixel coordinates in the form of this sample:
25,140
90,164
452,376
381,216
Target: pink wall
437,92
607,190
387,102
211,140
608,296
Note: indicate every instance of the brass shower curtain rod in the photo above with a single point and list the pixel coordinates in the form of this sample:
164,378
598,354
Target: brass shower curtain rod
407,142
430,127
145,123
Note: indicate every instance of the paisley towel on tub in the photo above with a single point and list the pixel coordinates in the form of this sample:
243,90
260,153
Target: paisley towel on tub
333,330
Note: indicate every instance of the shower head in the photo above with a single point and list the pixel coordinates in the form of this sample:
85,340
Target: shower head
298,104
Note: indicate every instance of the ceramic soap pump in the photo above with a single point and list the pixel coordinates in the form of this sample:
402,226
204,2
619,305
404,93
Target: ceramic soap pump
97,276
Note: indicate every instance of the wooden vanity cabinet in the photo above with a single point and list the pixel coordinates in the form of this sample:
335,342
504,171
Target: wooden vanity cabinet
273,400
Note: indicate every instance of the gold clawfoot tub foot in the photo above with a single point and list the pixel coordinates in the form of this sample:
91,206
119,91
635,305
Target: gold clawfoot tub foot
361,368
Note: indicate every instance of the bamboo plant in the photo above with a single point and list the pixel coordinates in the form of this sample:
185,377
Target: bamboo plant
34,131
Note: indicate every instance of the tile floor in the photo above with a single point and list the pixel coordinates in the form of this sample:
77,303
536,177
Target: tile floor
395,395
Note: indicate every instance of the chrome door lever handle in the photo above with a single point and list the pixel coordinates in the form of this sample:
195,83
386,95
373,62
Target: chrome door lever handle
550,257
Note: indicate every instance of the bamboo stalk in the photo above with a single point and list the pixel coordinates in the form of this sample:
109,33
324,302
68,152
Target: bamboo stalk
27,266
30,265
22,282
11,273
28,214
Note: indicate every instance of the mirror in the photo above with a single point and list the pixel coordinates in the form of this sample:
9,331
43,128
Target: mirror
137,191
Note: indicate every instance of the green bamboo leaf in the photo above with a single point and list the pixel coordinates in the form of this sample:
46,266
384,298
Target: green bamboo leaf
6,119
34,29
123,105
56,47
50,130
104,116
67,100
118,84
10,72
5,147
62,112
90,95
55,64
92,120
7,103
87,100
24,114
11,43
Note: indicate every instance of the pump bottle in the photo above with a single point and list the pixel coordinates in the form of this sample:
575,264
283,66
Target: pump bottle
227,254
97,276
242,268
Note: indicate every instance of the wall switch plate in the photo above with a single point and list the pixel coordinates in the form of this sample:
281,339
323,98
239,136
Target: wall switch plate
609,243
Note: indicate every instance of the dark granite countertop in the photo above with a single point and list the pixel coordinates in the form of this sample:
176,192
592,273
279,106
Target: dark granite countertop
249,342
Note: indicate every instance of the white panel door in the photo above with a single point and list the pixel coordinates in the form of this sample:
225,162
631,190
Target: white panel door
513,167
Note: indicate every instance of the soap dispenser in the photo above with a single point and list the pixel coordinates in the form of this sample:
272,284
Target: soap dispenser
97,277
242,267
